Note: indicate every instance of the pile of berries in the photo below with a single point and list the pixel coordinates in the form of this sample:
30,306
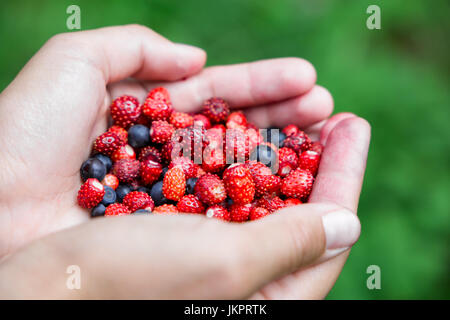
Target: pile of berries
156,160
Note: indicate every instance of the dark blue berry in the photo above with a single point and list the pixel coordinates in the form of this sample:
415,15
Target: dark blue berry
157,195
164,171
110,196
93,168
144,189
98,211
138,136
105,159
272,134
266,155
190,184
141,212
121,191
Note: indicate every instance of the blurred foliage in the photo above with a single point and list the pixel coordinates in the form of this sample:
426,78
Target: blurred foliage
396,77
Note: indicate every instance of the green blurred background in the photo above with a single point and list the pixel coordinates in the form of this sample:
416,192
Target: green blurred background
396,77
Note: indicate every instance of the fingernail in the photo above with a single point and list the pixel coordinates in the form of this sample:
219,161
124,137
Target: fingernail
342,229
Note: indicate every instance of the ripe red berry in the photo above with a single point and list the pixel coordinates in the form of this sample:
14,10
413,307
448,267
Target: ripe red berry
218,212
181,120
309,160
161,131
186,164
190,204
287,161
202,120
150,170
126,170
216,109
292,202
239,184
121,133
150,150
107,143
210,189
236,120
174,183
258,213
298,184
290,130
90,193
158,106
240,212
117,209
213,159
138,200
271,203
111,181
167,209
316,147
299,142
265,181
125,111
123,152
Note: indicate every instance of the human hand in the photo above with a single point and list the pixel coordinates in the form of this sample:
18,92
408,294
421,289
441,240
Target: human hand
78,71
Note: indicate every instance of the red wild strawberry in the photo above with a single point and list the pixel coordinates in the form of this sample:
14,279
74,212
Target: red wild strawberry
240,212
111,181
126,170
292,202
123,152
149,150
200,172
287,161
213,160
160,93
316,147
188,166
236,120
265,181
170,150
214,138
290,130
309,160
271,203
190,204
107,143
161,131
181,120
117,209
138,200
299,142
258,213
297,184
150,170
174,183
157,106
239,184
218,212
221,127
237,148
166,209
90,193
121,133
201,120
125,111
210,189
216,109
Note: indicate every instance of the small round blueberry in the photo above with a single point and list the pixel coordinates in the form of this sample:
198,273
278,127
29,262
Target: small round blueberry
141,212
157,195
144,189
138,136
98,211
110,196
93,168
190,184
121,191
105,159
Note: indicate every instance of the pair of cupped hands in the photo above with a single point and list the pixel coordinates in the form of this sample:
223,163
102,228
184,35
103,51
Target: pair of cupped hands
56,106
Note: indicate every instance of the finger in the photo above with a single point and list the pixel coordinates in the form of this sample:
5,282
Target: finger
127,51
331,123
244,85
293,238
343,164
304,110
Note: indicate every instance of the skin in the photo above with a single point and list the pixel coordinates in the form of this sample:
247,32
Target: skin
59,103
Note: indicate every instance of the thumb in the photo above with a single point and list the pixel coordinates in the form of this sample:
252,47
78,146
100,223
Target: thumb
298,236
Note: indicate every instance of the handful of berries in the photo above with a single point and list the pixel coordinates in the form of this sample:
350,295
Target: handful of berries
158,160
